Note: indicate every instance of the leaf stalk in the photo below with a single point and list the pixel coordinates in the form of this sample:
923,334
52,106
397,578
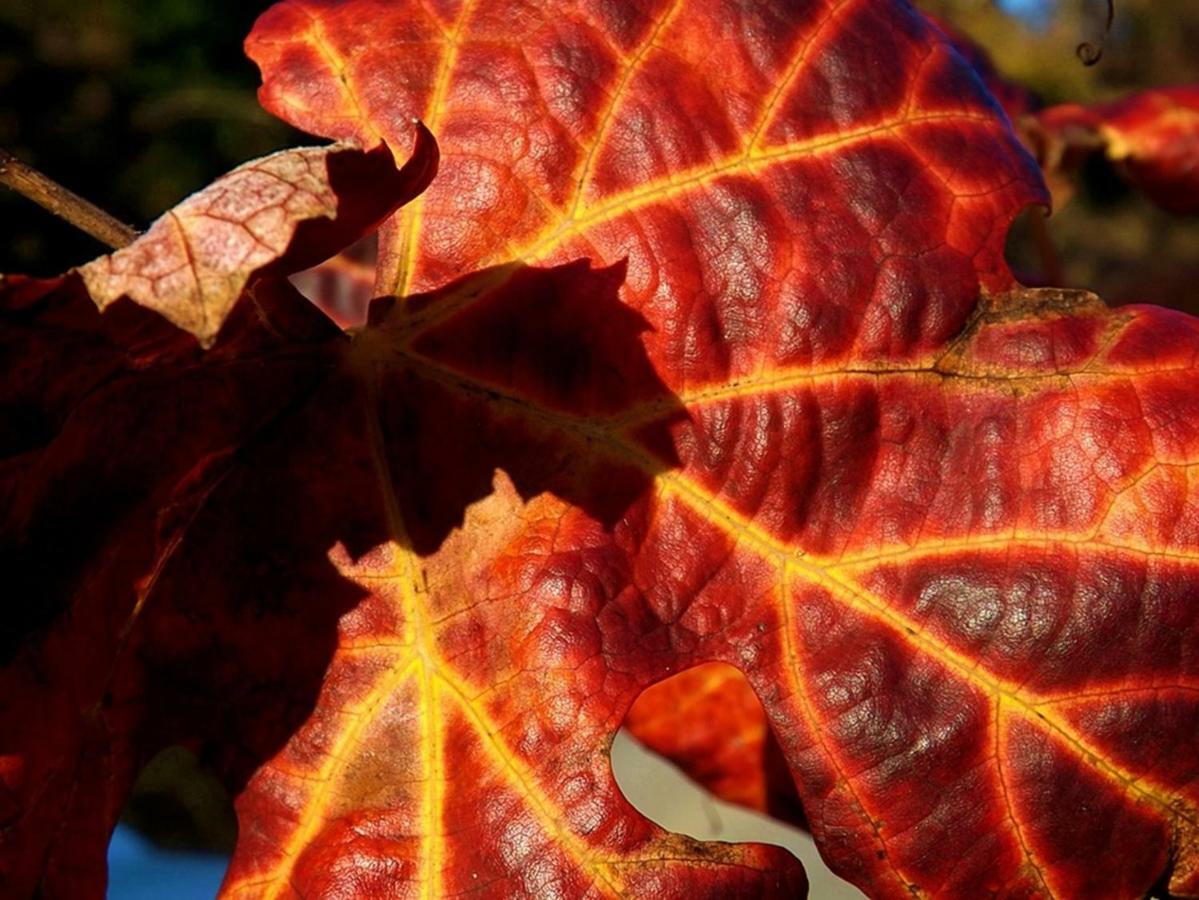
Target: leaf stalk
67,205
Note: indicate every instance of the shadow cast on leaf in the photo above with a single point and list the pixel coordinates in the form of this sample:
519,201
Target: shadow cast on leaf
526,378
182,508
393,446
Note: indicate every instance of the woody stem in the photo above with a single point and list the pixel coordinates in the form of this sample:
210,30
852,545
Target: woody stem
67,205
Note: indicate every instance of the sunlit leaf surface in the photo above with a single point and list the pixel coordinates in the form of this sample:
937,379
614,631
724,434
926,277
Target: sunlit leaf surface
700,347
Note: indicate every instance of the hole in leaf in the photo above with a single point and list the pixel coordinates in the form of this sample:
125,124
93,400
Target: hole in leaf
175,834
699,739
342,287
1098,239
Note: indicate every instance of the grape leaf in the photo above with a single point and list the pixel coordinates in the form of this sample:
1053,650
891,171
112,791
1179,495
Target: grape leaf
114,428
700,348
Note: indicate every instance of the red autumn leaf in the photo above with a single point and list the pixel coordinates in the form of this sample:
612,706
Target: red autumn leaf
1152,136
113,426
233,546
746,381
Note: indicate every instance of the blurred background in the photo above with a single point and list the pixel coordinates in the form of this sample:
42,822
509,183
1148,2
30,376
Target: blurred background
1108,238
136,103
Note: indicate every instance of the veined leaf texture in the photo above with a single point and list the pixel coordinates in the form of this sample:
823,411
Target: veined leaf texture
699,348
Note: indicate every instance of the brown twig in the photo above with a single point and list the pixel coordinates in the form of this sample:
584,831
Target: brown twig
65,204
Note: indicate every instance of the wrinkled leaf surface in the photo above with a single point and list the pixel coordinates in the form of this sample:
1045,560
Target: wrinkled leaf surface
701,348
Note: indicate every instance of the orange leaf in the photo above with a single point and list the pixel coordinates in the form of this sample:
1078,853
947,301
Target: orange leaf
701,348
